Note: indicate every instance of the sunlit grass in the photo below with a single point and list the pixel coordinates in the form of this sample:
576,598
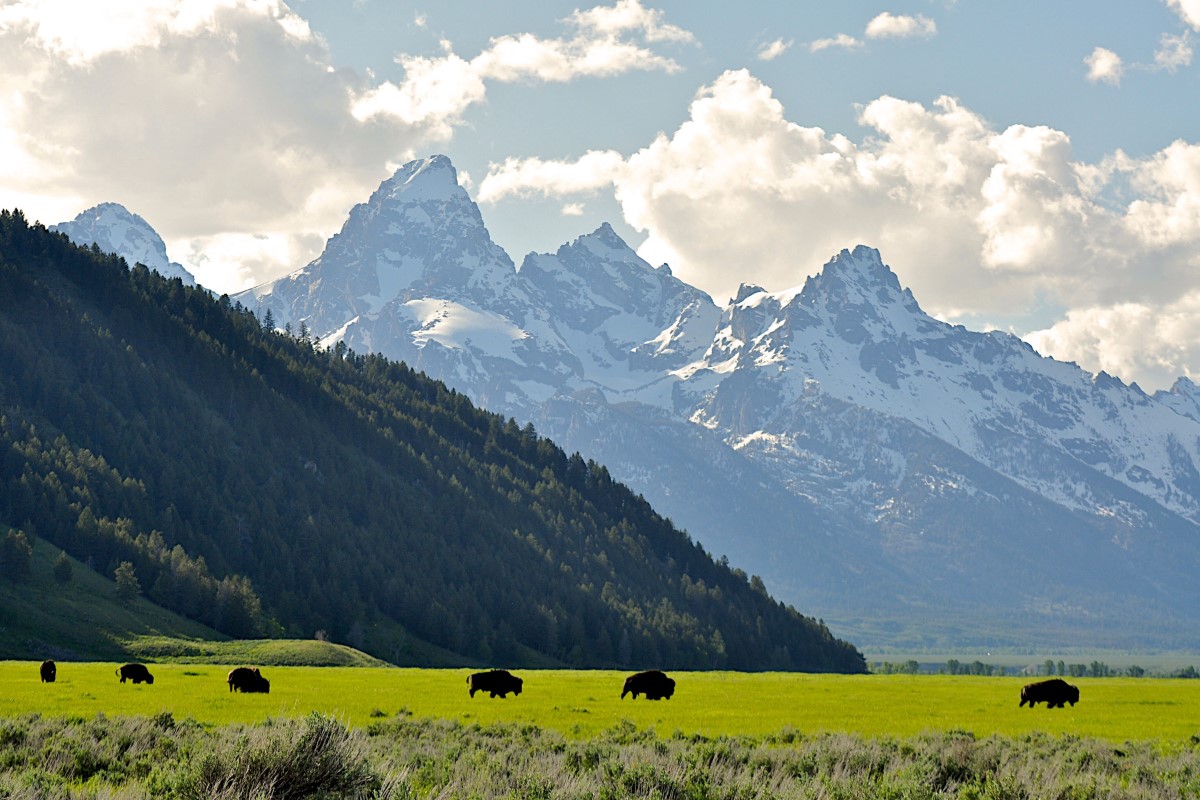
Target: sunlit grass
580,704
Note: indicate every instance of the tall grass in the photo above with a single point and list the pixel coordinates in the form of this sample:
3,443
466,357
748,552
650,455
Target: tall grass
448,760
401,757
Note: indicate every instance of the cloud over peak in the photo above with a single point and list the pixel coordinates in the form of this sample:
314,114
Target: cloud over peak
977,220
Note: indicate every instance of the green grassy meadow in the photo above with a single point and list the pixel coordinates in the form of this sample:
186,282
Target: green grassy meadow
581,704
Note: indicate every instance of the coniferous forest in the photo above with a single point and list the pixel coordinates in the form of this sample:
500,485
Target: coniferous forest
266,486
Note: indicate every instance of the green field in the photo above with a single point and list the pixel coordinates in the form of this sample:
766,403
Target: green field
580,704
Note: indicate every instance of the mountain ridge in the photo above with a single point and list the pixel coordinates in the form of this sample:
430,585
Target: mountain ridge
787,420
264,485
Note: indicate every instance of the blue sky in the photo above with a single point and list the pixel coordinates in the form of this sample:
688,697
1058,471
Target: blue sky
1031,166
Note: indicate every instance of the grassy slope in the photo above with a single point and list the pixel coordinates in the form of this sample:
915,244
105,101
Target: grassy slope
82,620
278,652
580,704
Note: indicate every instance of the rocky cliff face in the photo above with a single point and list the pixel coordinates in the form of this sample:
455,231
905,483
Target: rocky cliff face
914,482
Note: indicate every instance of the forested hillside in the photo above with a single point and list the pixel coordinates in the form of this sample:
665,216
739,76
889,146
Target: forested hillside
262,485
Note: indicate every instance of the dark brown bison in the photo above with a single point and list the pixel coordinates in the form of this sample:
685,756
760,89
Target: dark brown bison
248,680
494,682
136,673
652,683
1053,693
49,671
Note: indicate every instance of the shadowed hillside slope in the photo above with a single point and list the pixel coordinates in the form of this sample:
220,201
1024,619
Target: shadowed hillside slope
262,485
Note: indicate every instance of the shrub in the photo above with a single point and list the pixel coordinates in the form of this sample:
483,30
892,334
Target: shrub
292,760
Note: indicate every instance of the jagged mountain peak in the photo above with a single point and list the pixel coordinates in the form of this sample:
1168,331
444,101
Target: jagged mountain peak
856,279
599,280
106,211
115,229
605,243
1185,386
745,291
419,236
607,264
1183,397
426,195
426,178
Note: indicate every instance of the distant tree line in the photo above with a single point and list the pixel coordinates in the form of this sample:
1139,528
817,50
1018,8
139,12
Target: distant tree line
1095,669
262,485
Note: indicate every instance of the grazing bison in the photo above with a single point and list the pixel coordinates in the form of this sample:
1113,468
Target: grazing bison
136,673
49,671
494,682
652,683
248,680
1053,693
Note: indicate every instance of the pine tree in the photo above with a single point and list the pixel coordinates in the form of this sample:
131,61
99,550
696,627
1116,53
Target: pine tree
128,586
16,556
62,568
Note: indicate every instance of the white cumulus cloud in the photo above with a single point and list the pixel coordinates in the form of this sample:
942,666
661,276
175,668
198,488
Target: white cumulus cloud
977,220
629,16
773,50
1174,52
204,116
842,41
534,176
80,31
1155,344
892,26
226,124
1104,66
606,41
1188,11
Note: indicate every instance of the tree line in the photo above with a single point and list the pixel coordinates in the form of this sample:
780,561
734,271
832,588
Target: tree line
1050,667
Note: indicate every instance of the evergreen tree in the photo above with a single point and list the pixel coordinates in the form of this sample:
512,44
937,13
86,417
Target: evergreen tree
16,556
128,586
62,568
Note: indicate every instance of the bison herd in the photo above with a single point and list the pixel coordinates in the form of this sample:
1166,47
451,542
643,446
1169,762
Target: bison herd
497,682
500,683
655,685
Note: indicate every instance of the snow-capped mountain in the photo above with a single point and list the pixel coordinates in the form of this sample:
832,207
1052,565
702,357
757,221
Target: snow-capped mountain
853,334
114,229
912,482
